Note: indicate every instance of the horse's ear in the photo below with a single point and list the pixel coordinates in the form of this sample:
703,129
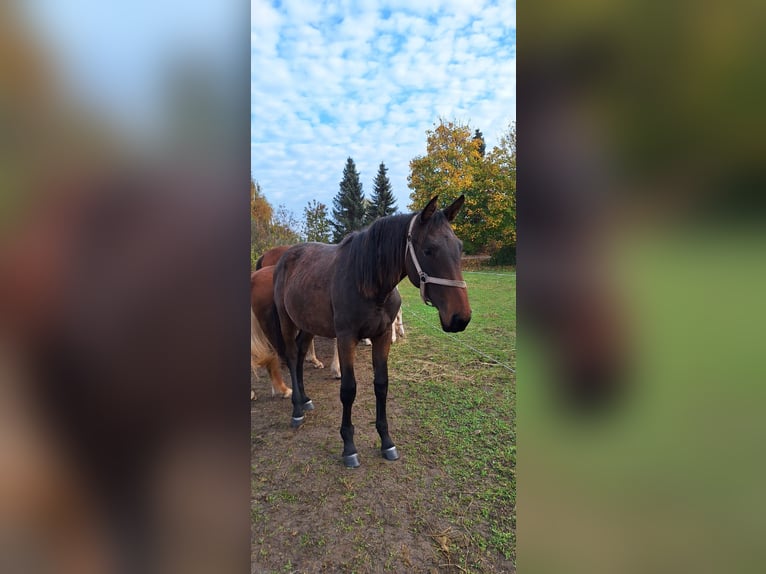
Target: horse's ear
451,211
429,209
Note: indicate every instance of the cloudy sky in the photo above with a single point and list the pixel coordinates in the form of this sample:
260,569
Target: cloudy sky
366,79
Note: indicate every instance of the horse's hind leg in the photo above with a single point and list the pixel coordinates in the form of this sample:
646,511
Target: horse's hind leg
335,367
346,349
311,356
398,325
277,383
296,369
302,342
380,348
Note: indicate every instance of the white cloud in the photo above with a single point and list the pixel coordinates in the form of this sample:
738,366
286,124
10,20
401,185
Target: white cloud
367,79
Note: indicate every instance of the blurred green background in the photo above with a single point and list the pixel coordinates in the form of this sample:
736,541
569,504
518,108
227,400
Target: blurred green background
669,97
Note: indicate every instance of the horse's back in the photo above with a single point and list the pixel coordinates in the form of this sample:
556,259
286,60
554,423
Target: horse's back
271,257
302,282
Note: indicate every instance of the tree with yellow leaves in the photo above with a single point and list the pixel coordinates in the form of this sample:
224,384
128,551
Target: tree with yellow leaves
267,227
453,165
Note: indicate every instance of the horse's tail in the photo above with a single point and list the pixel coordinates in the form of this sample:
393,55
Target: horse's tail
270,330
261,349
259,263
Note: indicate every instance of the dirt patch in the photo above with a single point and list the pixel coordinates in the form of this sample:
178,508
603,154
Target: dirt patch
311,514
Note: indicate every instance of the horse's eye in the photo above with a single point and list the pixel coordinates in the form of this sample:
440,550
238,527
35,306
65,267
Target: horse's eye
428,252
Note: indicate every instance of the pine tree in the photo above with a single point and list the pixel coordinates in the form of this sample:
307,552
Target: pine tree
383,202
348,206
477,135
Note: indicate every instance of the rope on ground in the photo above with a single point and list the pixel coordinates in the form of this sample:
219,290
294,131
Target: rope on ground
506,274
422,319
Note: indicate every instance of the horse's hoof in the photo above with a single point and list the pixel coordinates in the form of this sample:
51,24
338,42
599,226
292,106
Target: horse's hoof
287,394
390,453
351,460
318,365
308,405
296,422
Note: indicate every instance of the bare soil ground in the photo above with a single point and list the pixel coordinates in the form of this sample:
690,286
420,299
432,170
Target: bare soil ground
311,514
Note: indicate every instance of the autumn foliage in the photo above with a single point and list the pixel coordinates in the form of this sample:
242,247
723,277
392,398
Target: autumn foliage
269,228
453,165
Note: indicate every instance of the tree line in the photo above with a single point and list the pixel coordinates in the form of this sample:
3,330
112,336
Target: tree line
456,162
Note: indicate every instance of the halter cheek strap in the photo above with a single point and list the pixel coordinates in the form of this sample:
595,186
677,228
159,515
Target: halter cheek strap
424,277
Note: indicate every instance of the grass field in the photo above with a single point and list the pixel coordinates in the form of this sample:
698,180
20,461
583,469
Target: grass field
672,481
448,505
463,392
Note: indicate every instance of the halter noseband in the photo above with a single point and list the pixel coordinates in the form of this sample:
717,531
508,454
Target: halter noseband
424,278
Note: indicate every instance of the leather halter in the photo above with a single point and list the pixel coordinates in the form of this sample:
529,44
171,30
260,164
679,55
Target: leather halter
424,277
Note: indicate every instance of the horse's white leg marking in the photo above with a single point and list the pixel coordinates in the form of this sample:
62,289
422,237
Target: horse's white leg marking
399,323
311,357
397,327
335,367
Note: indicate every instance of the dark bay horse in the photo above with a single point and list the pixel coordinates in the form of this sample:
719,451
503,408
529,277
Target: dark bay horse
270,258
347,291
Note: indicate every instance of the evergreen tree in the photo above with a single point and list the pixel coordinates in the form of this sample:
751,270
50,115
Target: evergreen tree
477,135
348,206
316,224
383,201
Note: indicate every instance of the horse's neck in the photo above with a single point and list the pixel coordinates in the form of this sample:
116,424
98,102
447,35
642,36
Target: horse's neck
399,270
389,286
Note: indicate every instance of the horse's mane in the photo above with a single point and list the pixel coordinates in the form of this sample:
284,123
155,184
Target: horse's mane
376,254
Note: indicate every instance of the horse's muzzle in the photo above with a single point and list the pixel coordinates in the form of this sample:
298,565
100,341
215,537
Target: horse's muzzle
457,323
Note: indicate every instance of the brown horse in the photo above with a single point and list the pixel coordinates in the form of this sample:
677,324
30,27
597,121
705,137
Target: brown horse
263,352
347,291
271,257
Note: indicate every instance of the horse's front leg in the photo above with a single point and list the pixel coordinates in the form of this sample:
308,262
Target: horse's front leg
346,350
380,348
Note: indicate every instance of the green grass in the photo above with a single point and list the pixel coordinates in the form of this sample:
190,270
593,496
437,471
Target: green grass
672,481
461,387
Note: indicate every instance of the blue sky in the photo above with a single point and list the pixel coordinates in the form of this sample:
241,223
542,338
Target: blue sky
366,79
114,57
